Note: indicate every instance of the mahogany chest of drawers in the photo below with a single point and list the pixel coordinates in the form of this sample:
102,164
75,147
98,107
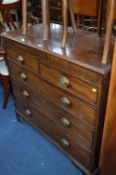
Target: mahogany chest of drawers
61,92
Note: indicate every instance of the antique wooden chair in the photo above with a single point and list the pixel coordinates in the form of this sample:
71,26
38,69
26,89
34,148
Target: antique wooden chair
6,9
6,18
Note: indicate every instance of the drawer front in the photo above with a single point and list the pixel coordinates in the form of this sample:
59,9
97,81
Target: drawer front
61,138
66,66
70,103
70,83
23,75
23,56
63,119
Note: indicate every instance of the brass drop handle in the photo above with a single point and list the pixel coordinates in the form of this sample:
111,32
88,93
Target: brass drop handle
64,81
65,121
23,76
20,59
65,101
25,93
28,112
94,90
64,143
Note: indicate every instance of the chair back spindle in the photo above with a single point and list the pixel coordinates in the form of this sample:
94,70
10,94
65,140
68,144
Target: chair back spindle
45,18
24,17
109,25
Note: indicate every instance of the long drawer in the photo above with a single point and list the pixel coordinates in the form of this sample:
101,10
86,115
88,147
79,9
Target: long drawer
70,83
79,131
68,102
61,138
72,68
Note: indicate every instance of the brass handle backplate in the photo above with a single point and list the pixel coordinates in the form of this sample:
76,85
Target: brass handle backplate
65,101
64,143
23,76
64,81
65,121
20,59
28,112
25,93
94,90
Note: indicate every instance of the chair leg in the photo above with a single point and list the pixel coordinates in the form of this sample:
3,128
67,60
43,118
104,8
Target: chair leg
100,16
5,83
65,21
46,20
109,25
72,16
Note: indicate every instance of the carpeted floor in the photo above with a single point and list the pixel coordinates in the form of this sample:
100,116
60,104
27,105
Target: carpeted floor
24,151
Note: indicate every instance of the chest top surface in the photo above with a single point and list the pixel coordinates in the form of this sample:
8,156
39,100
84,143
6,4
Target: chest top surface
83,48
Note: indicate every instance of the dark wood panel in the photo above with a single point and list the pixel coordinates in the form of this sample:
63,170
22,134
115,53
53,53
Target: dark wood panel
86,7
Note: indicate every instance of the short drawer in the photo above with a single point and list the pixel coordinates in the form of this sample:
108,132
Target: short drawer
70,83
23,75
22,55
78,130
69,102
52,131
